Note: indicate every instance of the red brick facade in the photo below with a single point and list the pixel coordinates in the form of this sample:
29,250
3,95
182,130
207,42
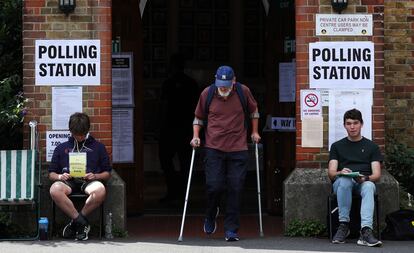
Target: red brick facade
42,19
305,34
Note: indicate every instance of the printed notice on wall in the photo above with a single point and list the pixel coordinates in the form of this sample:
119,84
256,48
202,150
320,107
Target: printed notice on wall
122,79
343,24
68,62
341,101
312,132
65,102
310,104
287,81
122,135
53,139
341,65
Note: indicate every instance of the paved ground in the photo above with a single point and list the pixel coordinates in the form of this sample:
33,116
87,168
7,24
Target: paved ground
194,245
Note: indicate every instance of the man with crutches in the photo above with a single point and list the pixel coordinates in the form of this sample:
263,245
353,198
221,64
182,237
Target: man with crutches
225,110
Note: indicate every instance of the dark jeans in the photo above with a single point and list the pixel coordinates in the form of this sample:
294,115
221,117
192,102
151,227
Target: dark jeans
225,171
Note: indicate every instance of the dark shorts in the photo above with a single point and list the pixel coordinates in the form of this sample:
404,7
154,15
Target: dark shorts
78,185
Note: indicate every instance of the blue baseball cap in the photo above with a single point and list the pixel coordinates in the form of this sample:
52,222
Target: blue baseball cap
224,76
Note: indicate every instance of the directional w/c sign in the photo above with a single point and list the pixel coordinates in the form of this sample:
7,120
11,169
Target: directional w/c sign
286,124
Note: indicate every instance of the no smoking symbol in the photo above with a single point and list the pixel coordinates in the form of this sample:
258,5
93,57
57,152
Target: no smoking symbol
311,100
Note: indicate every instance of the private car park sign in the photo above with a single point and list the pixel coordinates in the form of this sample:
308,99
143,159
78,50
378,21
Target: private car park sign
341,64
67,62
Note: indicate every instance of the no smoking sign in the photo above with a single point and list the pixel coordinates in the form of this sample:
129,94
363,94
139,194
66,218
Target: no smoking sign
310,104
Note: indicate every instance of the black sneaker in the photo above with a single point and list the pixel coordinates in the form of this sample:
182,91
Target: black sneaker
210,225
342,233
367,238
69,231
82,232
82,229
231,236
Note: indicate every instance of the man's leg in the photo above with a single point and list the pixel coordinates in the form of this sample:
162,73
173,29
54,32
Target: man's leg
96,191
215,180
237,163
59,192
367,191
343,187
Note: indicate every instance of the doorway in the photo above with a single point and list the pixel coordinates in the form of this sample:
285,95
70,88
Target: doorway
252,37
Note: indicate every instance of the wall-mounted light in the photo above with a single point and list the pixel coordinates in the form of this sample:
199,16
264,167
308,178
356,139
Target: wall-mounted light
67,6
339,5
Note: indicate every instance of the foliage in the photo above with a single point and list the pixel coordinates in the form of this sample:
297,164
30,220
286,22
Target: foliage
119,233
10,39
305,228
399,161
12,102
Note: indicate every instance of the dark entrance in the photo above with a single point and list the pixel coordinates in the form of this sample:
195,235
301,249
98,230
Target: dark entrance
252,36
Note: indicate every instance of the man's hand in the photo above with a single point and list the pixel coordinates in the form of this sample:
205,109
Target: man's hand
90,176
255,137
64,177
195,142
345,171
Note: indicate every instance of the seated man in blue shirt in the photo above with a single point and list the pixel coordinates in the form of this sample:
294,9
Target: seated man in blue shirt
98,170
355,153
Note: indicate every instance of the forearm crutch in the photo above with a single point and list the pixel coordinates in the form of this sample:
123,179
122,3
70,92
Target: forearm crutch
258,190
180,238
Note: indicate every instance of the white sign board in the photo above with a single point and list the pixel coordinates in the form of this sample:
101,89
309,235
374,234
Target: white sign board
122,79
53,139
346,65
341,101
310,104
343,24
65,102
284,123
68,62
287,81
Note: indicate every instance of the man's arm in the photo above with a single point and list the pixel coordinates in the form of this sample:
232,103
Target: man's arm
333,169
255,127
376,171
53,176
197,125
103,176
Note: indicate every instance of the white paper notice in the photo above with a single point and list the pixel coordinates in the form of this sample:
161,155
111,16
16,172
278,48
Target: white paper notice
122,79
65,102
341,101
53,139
287,81
122,135
312,132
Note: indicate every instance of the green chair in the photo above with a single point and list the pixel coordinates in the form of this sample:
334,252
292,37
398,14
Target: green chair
19,190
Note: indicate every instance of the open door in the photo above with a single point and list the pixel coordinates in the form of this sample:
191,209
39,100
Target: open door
279,145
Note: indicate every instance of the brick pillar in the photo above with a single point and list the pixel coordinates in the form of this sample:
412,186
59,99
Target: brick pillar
306,11
91,19
399,62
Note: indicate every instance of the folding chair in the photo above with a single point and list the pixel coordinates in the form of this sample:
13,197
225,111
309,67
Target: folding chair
19,185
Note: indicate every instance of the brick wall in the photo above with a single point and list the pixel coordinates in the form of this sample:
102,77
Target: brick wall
305,34
399,66
91,19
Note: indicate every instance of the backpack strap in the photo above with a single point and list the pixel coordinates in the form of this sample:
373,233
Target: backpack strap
243,102
241,96
210,95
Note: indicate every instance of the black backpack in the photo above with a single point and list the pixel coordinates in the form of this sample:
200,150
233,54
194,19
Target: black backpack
242,98
400,225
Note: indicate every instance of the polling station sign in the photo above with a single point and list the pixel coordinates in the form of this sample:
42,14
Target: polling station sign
341,65
67,62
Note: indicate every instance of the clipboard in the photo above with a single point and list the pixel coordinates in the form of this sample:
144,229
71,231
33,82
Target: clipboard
77,164
351,174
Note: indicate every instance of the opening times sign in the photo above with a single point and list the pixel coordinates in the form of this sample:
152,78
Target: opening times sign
341,64
68,62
